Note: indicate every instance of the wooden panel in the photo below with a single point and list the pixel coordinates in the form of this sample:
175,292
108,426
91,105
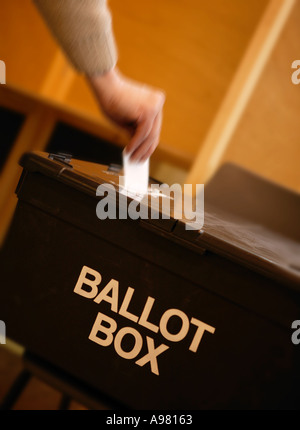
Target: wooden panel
39,122
267,140
240,90
26,45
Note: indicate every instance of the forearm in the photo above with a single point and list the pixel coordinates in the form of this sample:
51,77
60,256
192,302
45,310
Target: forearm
83,29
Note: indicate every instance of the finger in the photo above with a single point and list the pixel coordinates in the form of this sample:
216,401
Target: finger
150,151
143,129
149,145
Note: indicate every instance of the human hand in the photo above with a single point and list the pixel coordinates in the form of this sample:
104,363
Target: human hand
133,106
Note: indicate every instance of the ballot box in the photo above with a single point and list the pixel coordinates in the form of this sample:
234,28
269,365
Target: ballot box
145,311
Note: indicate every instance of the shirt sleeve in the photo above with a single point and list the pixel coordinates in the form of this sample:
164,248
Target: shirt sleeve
83,30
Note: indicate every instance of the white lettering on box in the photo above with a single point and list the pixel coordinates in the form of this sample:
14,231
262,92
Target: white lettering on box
105,331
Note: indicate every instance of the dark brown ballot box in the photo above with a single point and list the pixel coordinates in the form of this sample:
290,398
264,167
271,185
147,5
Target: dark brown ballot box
146,312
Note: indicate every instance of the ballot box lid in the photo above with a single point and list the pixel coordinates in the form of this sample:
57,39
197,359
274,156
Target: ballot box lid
247,218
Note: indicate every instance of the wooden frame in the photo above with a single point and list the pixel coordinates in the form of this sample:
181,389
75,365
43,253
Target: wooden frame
240,91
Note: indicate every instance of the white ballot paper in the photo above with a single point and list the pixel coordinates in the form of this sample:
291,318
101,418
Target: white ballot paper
136,176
